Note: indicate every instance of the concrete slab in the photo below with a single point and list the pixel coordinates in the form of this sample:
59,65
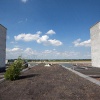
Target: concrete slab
84,76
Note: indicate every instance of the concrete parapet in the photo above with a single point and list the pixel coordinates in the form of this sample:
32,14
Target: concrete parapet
95,44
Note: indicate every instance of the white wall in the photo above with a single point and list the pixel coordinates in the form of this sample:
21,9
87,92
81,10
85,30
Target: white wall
2,45
95,44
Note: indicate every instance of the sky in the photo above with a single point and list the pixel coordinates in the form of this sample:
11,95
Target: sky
49,29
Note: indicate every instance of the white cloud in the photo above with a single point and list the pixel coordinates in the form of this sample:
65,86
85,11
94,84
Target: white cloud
47,52
24,1
38,32
51,32
13,53
78,42
27,37
14,50
55,42
29,53
44,39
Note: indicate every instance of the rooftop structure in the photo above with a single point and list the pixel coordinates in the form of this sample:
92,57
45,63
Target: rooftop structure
2,46
95,44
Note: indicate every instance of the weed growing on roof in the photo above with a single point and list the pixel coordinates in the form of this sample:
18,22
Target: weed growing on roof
13,72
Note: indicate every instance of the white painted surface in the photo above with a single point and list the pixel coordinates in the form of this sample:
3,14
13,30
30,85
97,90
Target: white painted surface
95,44
2,45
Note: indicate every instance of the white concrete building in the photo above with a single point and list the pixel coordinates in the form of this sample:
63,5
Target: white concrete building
95,44
2,46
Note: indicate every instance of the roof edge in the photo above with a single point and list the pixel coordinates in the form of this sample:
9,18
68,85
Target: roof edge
95,24
3,26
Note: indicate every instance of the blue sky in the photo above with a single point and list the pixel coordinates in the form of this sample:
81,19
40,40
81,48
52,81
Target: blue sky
49,29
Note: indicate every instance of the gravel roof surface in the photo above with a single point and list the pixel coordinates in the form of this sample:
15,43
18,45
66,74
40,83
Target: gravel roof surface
87,69
49,83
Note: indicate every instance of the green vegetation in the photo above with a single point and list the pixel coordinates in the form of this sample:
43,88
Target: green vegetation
13,72
50,60
57,60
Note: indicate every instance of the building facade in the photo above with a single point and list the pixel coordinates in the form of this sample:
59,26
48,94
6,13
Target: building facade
2,46
95,44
